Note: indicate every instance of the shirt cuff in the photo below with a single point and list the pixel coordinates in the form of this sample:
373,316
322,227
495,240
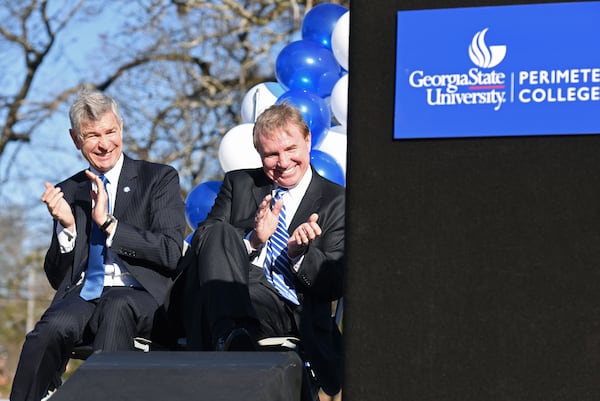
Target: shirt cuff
66,238
297,262
109,238
249,247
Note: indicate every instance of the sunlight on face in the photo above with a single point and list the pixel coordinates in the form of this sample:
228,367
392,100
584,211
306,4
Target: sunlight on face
285,155
101,142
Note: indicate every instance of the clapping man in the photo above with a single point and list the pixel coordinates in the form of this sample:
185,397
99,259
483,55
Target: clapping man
118,236
268,259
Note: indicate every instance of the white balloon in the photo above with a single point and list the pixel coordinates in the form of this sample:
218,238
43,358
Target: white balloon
339,100
237,151
334,143
340,40
258,98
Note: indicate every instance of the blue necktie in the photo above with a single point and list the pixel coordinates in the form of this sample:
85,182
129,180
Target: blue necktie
277,263
94,275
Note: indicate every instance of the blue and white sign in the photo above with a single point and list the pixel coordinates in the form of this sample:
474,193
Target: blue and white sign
498,71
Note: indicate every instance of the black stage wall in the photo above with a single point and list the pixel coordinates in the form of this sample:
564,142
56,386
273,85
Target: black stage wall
473,264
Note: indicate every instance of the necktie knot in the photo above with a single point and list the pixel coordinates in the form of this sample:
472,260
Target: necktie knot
105,182
279,192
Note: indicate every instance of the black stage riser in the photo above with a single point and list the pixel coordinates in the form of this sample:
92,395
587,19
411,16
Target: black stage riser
173,376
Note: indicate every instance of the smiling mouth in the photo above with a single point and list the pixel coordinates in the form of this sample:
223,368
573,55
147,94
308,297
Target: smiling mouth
104,154
287,171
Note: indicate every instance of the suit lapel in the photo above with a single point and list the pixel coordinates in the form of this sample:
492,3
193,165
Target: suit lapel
83,212
261,186
259,193
310,203
126,188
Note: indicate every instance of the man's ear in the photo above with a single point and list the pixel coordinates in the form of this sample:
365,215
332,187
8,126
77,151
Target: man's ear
75,139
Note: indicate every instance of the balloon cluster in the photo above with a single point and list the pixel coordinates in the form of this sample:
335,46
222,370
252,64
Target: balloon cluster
312,74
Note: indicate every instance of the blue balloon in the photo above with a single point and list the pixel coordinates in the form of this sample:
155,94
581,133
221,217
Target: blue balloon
199,202
327,167
307,65
319,22
313,108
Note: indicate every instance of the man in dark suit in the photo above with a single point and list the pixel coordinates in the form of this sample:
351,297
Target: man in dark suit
236,291
139,220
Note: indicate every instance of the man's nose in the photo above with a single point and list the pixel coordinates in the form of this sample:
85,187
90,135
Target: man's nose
283,160
103,141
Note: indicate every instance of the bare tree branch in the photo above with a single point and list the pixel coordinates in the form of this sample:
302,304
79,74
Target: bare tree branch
179,68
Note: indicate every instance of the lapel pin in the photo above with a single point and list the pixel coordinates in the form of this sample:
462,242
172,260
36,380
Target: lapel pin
126,189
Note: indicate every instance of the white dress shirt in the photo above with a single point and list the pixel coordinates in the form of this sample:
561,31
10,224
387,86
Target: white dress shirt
291,200
115,273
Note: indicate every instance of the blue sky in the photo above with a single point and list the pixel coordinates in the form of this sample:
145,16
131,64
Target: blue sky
51,155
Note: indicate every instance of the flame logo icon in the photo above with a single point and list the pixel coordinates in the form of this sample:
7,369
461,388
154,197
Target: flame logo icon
483,56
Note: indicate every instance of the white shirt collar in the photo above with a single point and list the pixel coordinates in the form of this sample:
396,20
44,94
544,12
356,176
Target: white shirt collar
298,191
113,174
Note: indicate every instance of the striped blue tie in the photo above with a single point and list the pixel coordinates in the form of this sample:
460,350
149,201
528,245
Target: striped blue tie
94,275
277,263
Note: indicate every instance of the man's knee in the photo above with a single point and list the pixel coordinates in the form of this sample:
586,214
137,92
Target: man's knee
115,306
123,303
214,233
218,243
60,326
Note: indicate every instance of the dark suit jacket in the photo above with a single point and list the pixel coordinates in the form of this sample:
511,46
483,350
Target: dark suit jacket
320,277
150,230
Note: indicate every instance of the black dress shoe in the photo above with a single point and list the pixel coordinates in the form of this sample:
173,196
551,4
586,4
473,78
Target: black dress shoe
237,340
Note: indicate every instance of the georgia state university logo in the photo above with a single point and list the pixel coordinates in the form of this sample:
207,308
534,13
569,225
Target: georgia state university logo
479,85
483,56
